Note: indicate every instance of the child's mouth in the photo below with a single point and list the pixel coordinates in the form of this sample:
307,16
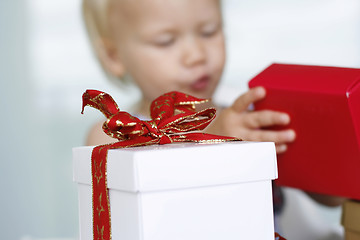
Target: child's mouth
201,83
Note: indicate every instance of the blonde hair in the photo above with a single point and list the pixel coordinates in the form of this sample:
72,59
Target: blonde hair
95,14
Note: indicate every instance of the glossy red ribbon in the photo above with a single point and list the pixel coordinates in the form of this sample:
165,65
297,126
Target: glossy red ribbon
173,116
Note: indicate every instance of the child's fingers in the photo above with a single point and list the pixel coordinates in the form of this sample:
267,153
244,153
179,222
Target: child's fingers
242,103
280,148
265,118
279,137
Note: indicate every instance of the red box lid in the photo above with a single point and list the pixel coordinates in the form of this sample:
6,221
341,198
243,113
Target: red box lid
324,106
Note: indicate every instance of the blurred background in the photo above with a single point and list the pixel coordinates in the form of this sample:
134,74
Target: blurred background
46,64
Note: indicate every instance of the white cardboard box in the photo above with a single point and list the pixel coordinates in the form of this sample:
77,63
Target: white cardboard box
184,191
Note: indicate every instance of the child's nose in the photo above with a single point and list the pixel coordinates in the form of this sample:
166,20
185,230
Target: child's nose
194,52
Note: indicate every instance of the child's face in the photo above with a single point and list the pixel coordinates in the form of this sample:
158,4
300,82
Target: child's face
167,45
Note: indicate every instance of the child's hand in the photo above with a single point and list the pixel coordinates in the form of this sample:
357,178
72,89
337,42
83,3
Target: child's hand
238,121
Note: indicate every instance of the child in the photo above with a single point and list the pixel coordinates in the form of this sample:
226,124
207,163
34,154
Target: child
167,45
174,45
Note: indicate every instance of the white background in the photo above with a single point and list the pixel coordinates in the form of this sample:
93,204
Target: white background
46,64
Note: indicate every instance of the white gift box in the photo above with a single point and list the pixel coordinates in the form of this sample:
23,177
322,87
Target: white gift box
184,191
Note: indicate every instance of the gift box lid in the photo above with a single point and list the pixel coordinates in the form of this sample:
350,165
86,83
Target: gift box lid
318,79
324,107
181,165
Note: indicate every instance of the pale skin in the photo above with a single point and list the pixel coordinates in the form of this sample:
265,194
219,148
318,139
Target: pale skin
172,45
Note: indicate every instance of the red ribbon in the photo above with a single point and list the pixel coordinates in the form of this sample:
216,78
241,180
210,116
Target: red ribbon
173,116
278,237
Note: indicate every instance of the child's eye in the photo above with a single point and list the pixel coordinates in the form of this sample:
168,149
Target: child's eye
209,30
164,40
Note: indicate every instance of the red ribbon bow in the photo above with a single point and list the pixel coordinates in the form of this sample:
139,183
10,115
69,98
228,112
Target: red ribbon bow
173,116
172,113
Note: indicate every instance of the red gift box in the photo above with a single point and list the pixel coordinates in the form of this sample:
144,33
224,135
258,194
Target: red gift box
324,106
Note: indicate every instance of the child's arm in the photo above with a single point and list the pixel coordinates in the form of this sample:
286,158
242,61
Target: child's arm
238,121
